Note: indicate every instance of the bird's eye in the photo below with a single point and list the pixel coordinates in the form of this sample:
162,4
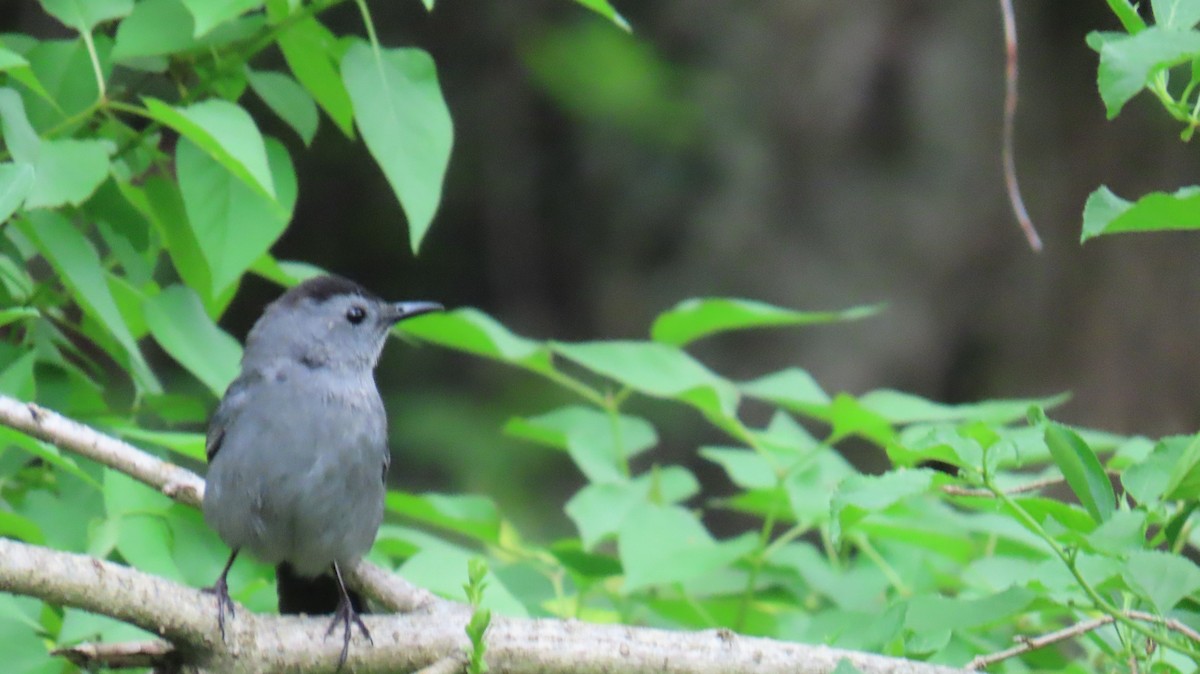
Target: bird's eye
356,314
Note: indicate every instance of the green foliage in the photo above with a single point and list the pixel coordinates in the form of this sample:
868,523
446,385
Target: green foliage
132,218
481,617
1163,59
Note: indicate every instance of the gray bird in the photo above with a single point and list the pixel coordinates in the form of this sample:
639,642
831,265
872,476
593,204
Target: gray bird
297,449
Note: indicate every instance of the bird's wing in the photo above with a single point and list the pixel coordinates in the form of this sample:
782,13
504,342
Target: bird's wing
235,399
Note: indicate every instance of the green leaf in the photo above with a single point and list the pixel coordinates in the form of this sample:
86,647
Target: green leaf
179,324
225,132
10,59
472,331
599,444
17,314
18,68
1176,14
1128,15
15,182
442,569
68,72
19,137
83,15
1185,473
211,13
793,389
190,445
309,49
67,171
905,408
17,380
45,451
1127,64
657,370
694,319
15,526
142,534
286,273
1123,533
860,495
79,267
918,444
599,508
1082,469
287,99
601,7
155,28
232,223
159,200
1163,578
747,469
849,416
666,544
405,123
1106,213
471,515
935,613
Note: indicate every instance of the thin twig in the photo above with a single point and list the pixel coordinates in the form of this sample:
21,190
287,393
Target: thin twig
1036,485
1010,113
126,655
1169,623
1033,643
1028,644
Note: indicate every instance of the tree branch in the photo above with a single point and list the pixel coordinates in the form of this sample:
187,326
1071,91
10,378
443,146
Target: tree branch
429,635
180,484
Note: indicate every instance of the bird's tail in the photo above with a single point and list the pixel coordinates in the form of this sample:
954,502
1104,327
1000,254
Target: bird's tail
312,596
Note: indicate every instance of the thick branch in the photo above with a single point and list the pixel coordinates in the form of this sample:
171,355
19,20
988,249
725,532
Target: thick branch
430,634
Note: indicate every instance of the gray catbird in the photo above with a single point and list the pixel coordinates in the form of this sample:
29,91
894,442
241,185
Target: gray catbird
297,449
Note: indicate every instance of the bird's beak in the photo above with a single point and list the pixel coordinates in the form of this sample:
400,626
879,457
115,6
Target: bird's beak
402,310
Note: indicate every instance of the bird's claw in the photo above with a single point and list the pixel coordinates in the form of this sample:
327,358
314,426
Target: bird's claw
224,603
345,614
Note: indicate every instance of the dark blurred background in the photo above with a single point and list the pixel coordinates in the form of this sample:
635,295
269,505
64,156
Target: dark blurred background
815,155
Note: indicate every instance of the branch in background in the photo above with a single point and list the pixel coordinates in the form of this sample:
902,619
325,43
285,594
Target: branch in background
129,655
430,635
1035,485
1033,643
1010,113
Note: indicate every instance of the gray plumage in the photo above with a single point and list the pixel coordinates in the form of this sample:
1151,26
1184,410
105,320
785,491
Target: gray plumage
297,448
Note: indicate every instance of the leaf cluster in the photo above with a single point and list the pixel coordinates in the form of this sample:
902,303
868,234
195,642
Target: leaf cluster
1162,58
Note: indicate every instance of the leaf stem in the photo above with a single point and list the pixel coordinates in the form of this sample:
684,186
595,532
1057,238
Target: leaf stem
371,36
893,577
613,410
573,385
756,562
95,58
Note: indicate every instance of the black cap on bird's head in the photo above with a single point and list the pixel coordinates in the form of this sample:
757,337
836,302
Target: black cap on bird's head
328,321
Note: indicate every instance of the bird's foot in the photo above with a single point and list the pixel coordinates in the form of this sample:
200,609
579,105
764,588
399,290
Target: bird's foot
345,614
224,602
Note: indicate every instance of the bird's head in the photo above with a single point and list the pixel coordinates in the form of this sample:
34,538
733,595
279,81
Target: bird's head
328,322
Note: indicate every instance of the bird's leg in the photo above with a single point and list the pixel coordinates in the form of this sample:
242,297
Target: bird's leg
221,590
344,614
